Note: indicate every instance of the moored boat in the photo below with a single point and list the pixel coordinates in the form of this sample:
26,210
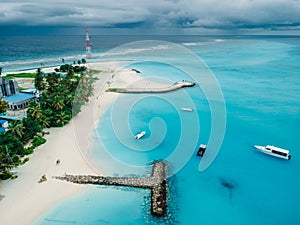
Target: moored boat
187,109
274,151
201,150
140,135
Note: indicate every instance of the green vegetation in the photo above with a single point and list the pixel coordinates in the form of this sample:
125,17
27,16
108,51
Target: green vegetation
38,80
95,72
26,159
11,148
21,88
43,179
62,98
3,106
12,144
115,90
20,75
82,61
67,67
37,141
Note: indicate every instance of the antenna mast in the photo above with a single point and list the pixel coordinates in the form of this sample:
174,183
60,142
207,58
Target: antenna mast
88,44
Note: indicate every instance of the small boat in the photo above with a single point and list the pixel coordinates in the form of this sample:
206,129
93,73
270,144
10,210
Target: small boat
187,109
140,135
274,151
201,150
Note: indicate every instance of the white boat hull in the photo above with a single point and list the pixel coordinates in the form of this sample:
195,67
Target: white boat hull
274,151
187,109
140,135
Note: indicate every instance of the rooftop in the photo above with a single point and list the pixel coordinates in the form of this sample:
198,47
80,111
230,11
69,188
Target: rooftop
10,117
2,121
19,97
29,90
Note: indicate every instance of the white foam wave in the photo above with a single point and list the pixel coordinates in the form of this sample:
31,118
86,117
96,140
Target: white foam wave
193,43
219,40
128,51
43,60
189,44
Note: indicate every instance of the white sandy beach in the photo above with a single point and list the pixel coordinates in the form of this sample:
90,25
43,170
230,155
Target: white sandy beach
24,198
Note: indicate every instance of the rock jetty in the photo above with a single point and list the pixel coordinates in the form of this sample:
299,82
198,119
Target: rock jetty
156,183
172,87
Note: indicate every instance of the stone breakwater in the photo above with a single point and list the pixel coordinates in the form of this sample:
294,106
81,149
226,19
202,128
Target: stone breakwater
172,87
156,183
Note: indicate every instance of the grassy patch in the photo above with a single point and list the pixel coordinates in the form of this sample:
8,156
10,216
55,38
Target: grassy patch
114,90
21,88
96,71
20,75
37,141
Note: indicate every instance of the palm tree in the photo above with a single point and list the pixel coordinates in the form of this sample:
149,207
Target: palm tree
45,121
58,103
39,80
85,89
5,167
80,97
17,128
70,74
34,110
6,162
90,88
69,99
62,118
53,81
3,106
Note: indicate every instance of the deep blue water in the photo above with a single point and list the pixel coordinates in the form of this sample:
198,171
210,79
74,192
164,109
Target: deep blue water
260,80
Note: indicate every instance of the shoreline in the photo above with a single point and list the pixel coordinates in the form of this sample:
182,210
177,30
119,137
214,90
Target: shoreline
31,70
71,144
29,199
152,90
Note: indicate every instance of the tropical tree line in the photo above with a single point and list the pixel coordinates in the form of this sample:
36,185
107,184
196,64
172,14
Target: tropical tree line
61,99
3,106
12,142
66,67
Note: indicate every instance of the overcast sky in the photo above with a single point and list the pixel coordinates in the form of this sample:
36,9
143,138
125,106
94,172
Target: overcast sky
152,16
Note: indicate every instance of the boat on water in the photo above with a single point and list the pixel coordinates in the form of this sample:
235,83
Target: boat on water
187,109
274,151
140,135
201,150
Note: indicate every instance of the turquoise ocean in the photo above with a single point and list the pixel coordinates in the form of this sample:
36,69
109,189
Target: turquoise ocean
259,77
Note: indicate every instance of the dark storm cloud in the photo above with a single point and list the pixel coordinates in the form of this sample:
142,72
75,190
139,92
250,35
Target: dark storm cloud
46,11
188,15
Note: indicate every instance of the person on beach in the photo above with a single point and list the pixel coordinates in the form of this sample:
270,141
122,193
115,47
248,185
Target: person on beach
57,161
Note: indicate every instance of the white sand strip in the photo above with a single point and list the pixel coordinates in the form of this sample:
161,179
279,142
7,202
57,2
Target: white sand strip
24,198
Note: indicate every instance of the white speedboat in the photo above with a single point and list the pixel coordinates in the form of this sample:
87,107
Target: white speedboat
274,151
140,135
187,109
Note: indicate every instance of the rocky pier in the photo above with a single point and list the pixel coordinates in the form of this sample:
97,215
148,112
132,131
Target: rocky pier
172,87
157,183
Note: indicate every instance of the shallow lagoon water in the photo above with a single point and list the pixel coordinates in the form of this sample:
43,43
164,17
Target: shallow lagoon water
260,82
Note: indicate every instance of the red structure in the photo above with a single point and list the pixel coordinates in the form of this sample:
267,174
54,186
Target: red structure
88,44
